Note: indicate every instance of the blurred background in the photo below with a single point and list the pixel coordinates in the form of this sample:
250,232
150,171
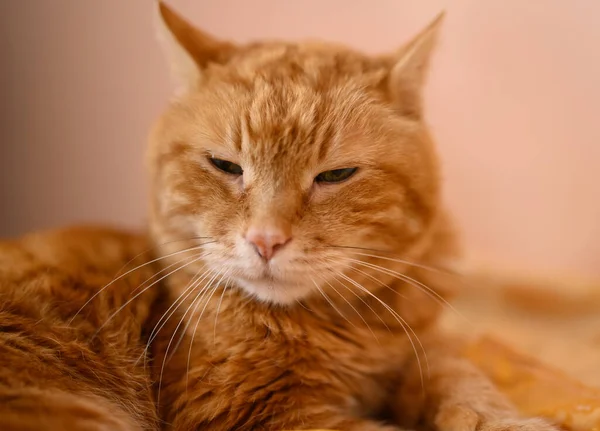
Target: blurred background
513,100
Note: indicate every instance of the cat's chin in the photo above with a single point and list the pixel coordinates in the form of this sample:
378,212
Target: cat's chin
275,291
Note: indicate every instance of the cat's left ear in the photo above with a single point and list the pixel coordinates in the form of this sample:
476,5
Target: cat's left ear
409,69
189,50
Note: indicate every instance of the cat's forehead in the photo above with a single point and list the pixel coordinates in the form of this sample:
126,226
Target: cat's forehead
291,104
291,122
319,62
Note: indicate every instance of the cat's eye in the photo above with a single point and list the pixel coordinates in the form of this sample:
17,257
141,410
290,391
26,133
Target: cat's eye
226,166
336,175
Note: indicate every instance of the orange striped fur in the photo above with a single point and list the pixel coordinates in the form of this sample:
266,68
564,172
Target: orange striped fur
285,301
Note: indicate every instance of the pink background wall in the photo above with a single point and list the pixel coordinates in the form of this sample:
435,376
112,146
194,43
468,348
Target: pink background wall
514,99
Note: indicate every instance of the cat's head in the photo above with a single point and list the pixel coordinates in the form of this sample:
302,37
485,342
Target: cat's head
282,157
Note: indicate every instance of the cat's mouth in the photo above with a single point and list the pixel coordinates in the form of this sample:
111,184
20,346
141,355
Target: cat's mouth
281,280
269,272
266,276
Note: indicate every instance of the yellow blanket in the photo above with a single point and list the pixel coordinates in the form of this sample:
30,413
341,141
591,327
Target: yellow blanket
539,341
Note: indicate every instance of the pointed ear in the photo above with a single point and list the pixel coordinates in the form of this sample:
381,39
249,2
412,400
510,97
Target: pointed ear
409,70
189,50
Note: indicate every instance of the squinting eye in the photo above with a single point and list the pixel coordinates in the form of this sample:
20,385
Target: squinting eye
335,176
225,166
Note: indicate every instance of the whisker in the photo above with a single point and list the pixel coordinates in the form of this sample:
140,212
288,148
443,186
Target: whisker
202,292
403,277
303,306
161,244
402,323
166,356
376,280
350,304
363,301
195,258
219,309
403,261
189,358
186,293
166,268
331,303
132,270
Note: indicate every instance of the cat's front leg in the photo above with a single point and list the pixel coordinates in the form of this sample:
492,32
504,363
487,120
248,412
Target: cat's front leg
457,396
469,413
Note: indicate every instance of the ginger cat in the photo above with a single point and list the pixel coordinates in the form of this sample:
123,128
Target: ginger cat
297,219
308,184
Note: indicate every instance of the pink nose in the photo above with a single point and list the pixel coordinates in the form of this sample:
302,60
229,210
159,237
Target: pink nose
267,241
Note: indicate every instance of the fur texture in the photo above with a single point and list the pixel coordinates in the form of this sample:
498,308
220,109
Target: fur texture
290,302
56,373
302,302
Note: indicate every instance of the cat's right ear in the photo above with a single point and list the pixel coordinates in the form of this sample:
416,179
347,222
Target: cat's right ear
188,49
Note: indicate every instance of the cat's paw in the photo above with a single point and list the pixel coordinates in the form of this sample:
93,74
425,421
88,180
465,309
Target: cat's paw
461,418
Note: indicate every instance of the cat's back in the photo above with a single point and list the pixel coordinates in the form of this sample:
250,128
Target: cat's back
72,249
52,274
66,357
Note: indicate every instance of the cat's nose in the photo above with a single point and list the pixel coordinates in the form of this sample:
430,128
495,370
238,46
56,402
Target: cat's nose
268,240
